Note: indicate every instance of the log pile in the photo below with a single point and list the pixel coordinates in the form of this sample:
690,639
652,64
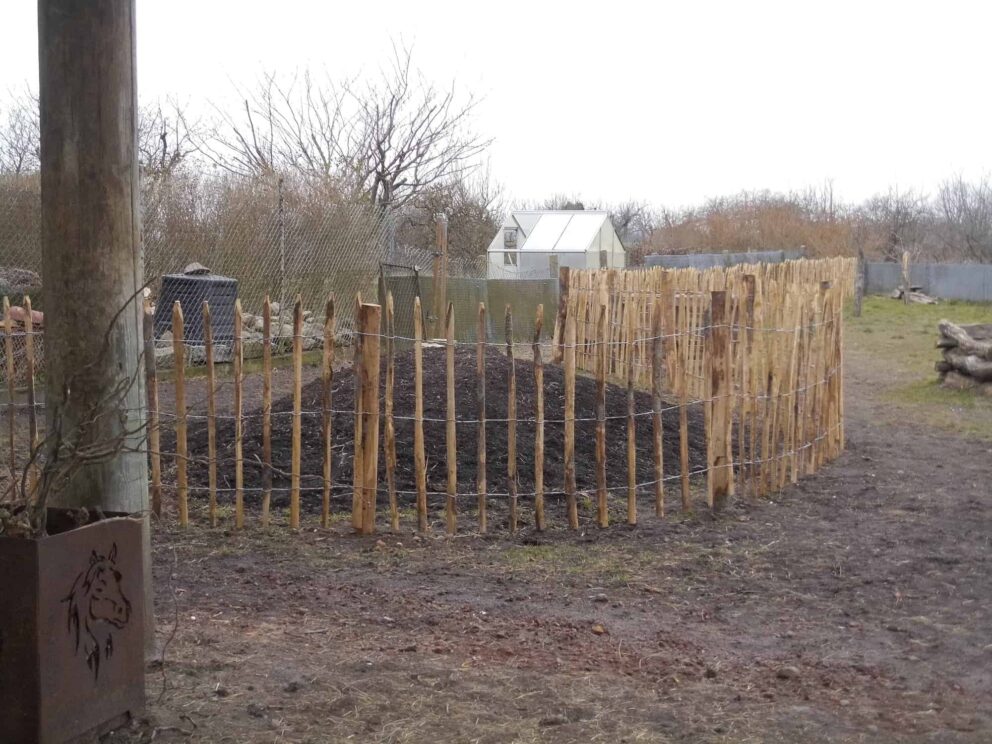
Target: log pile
916,295
967,362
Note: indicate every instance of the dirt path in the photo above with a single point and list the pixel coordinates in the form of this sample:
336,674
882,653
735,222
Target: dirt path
856,607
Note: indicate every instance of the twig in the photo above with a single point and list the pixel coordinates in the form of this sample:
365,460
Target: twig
175,626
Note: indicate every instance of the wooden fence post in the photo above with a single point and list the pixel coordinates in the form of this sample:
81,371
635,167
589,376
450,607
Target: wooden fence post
369,323
511,420
631,436
557,341
440,282
745,341
657,375
602,512
297,443
266,409
839,320
389,440
8,345
151,391
239,430
682,384
34,472
451,439
179,365
358,461
208,348
419,458
859,282
539,520
569,458
720,468
480,386
905,277
327,415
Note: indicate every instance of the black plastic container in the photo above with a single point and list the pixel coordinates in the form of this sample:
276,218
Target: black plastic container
191,290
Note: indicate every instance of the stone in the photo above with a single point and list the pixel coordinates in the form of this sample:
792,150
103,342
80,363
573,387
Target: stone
196,355
164,357
22,281
196,268
251,344
223,352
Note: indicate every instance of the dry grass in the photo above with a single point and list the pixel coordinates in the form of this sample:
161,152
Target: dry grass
893,345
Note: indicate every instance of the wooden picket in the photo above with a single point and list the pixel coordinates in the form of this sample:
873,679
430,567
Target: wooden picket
755,352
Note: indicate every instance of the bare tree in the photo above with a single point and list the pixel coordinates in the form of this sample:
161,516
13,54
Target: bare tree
474,208
20,136
966,215
633,221
408,135
560,201
894,222
388,140
242,141
166,139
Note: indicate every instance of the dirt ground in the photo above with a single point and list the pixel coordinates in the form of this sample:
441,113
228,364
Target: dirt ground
856,606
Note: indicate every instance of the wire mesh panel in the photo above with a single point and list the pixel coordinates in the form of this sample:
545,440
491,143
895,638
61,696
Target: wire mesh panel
20,227
267,235
272,239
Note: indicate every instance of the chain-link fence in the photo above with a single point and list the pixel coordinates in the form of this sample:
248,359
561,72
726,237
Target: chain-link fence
466,286
256,237
272,238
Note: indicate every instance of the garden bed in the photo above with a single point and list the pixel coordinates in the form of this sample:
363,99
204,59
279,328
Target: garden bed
434,429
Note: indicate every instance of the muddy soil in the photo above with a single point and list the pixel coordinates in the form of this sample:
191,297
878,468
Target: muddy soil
435,401
854,607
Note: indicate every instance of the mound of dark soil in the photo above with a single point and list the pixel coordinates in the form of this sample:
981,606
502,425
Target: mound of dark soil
434,429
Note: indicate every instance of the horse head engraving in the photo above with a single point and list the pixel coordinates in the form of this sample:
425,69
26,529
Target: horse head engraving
97,607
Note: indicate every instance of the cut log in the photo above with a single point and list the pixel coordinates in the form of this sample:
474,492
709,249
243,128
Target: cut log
979,331
957,381
916,296
969,364
963,341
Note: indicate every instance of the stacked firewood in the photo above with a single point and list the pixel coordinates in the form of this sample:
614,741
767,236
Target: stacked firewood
967,362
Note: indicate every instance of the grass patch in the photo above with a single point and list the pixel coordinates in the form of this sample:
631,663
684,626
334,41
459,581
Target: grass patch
895,344
600,564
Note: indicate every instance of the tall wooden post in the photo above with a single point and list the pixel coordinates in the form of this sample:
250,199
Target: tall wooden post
859,282
91,250
439,286
720,472
369,320
905,277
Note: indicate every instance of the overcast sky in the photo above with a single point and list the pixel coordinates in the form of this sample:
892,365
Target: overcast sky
667,102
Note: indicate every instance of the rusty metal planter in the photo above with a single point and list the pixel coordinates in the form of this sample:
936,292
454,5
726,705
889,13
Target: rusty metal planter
71,630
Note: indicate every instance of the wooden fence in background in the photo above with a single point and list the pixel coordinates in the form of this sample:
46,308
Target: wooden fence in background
760,346
758,349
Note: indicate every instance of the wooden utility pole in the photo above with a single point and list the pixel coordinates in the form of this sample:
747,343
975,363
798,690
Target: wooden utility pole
91,251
